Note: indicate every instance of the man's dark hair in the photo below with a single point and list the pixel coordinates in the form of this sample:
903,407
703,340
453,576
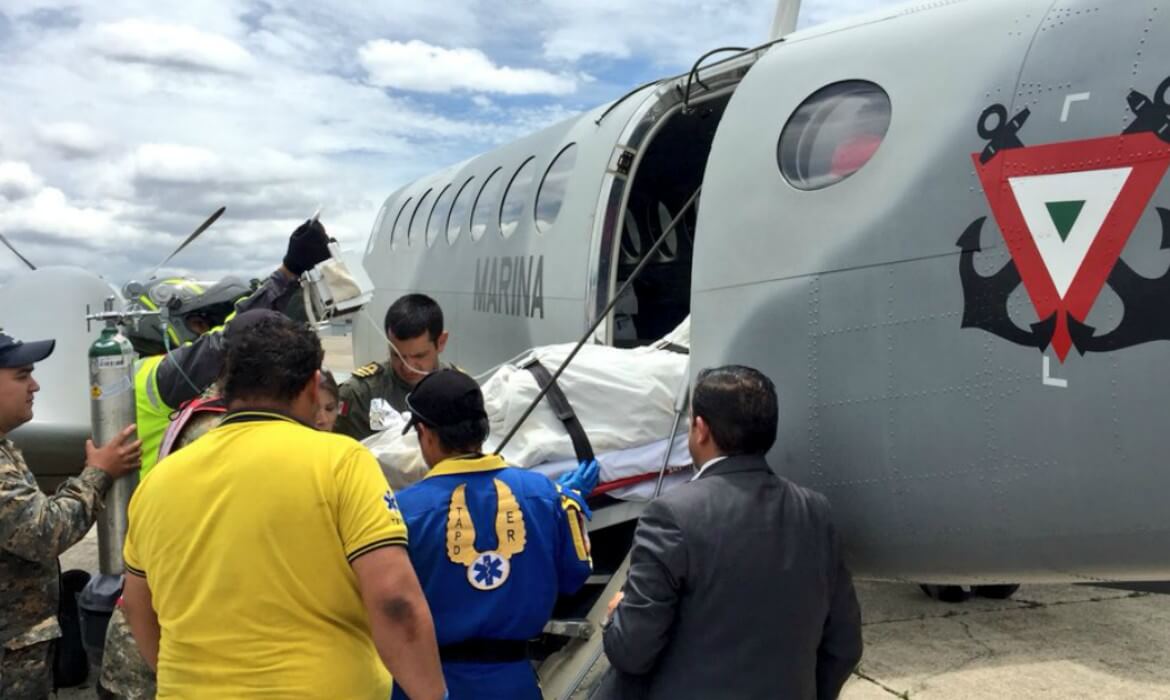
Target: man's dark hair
272,360
413,315
463,437
740,406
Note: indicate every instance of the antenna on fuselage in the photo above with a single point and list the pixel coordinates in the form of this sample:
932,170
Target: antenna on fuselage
784,23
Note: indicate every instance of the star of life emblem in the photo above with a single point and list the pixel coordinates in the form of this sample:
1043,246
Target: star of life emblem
489,571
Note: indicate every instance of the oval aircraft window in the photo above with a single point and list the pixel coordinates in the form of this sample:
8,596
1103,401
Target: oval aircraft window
833,133
460,211
485,204
438,216
415,232
399,229
516,196
551,195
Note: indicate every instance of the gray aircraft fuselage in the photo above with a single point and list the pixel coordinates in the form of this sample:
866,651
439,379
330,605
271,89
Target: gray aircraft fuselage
961,294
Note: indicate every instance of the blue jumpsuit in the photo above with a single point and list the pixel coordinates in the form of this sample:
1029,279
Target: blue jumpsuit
493,547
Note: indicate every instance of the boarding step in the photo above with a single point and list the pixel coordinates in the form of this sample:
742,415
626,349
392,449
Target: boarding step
573,629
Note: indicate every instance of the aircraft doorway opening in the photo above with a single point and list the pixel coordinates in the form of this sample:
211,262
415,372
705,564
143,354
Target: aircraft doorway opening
669,173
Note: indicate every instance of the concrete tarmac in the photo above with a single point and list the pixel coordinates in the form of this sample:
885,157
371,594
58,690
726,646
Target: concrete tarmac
1058,642
1045,642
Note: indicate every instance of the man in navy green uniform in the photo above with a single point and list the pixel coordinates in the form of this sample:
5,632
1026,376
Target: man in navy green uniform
414,328
493,545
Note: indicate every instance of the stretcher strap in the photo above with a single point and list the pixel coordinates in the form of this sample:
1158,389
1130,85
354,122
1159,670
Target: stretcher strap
563,410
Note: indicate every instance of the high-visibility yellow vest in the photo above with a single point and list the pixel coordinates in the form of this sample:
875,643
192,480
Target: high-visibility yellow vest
152,414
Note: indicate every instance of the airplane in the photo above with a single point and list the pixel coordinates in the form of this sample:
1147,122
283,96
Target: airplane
940,228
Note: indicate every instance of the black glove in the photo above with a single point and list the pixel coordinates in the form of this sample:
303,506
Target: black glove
307,246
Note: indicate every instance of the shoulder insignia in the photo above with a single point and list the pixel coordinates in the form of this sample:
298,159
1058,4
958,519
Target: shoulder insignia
368,370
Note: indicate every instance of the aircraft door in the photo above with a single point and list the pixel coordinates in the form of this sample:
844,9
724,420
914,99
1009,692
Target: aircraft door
669,151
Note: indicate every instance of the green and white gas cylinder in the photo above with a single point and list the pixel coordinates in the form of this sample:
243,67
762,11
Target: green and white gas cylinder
112,408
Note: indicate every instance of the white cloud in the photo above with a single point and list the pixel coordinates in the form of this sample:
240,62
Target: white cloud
274,107
50,213
674,32
41,215
170,45
419,66
174,163
72,139
18,181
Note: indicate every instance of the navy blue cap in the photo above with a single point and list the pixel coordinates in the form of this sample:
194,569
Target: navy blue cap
14,353
444,397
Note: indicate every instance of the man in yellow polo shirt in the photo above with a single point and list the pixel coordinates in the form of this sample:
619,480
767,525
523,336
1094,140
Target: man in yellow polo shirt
268,559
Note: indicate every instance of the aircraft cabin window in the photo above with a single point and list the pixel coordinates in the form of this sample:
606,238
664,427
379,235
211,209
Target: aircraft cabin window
377,226
399,229
485,204
518,190
833,134
460,212
415,231
551,195
438,215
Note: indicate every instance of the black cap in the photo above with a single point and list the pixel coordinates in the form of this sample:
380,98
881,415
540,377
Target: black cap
444,397
14,353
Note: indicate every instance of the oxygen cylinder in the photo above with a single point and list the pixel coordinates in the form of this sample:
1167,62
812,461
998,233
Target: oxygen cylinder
112,408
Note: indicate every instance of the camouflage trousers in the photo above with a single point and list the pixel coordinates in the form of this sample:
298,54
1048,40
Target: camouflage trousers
125,674
27,673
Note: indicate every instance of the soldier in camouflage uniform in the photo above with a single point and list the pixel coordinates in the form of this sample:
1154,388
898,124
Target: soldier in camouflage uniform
414,327
35,528
125,674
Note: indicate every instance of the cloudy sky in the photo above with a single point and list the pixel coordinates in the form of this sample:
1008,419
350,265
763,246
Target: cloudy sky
127,122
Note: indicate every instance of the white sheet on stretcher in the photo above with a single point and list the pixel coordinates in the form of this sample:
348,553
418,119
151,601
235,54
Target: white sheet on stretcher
624,399
635,461
401,469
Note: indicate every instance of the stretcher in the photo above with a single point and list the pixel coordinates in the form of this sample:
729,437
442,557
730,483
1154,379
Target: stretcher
622,399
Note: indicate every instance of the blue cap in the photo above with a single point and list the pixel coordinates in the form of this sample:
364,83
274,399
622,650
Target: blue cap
14,353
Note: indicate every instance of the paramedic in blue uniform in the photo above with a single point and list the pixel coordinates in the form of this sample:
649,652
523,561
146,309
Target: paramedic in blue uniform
493,545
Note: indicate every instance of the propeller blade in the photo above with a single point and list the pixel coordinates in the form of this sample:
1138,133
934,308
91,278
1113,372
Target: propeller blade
17,253
190,239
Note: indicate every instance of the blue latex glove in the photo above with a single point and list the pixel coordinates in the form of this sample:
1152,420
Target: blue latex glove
583,479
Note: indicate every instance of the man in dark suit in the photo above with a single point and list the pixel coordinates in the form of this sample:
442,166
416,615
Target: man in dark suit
736,586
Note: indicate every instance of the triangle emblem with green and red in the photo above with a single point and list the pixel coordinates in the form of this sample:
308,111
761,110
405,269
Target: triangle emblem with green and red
1066,211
